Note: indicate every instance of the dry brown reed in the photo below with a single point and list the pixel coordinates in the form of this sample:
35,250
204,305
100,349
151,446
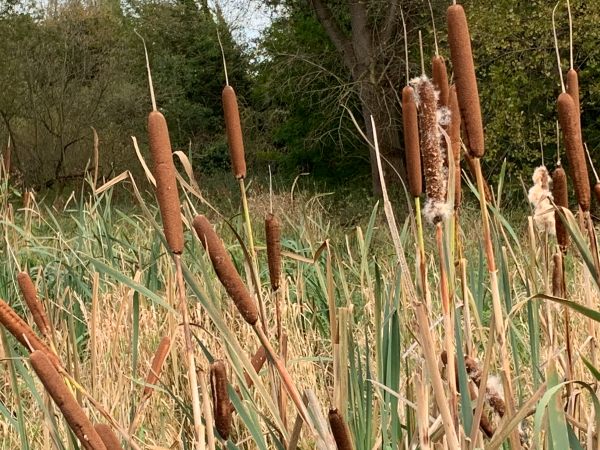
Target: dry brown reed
108,436
221,402
561,198
464,74
454,134
273,234
340,430
439,74
157,362
568,119
234,132
411,142
226,272
33,303
58,390
166,181
23,333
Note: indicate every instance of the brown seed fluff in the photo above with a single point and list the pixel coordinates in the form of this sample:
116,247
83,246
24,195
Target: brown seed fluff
234,132
464,74
111,441
573,88
557,275
33,303
454,134
23,332
567,117
157,362
431,151
273,233
411,141
561,198
74,415
340,430
166,180
439,75
221,402
226,272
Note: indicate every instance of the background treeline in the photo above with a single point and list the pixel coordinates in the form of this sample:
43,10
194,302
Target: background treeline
71,66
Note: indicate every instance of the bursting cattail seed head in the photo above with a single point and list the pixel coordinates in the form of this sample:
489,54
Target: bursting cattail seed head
166,180
234,132
340,430
439,75
58,390
561,199
436,207
273,233
226,271
568,119
464,74
157,362
33,303
221,402
411,141
454,134
110,440
23,332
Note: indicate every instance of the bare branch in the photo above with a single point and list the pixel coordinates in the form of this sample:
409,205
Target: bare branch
335,33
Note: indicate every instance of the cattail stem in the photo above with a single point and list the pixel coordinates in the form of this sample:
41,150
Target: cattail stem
496,304
189,355
421,246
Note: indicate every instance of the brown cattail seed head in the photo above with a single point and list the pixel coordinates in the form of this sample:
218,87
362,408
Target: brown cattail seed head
454,134
568,119
273,233
464,74
33,303
221,402
440,79
411,142
257,361
597,191
436,207
340,430
226,272
557,275
561,199
166,180
157,362
110,440
573,88
74,415
23,332
234,132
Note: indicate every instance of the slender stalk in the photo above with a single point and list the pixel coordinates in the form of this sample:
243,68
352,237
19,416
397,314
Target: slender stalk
421,245
505,371
189,355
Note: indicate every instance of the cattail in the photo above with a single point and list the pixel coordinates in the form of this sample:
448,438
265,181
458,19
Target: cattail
567,117
257,361
111,442
573,88
561,199
33,303
221,402
436,207
157,362
273,233
454,134
23,332
74,415
440,79
466,83
340,430
234,132
166,180
557,275
597,191
226,272
411,142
